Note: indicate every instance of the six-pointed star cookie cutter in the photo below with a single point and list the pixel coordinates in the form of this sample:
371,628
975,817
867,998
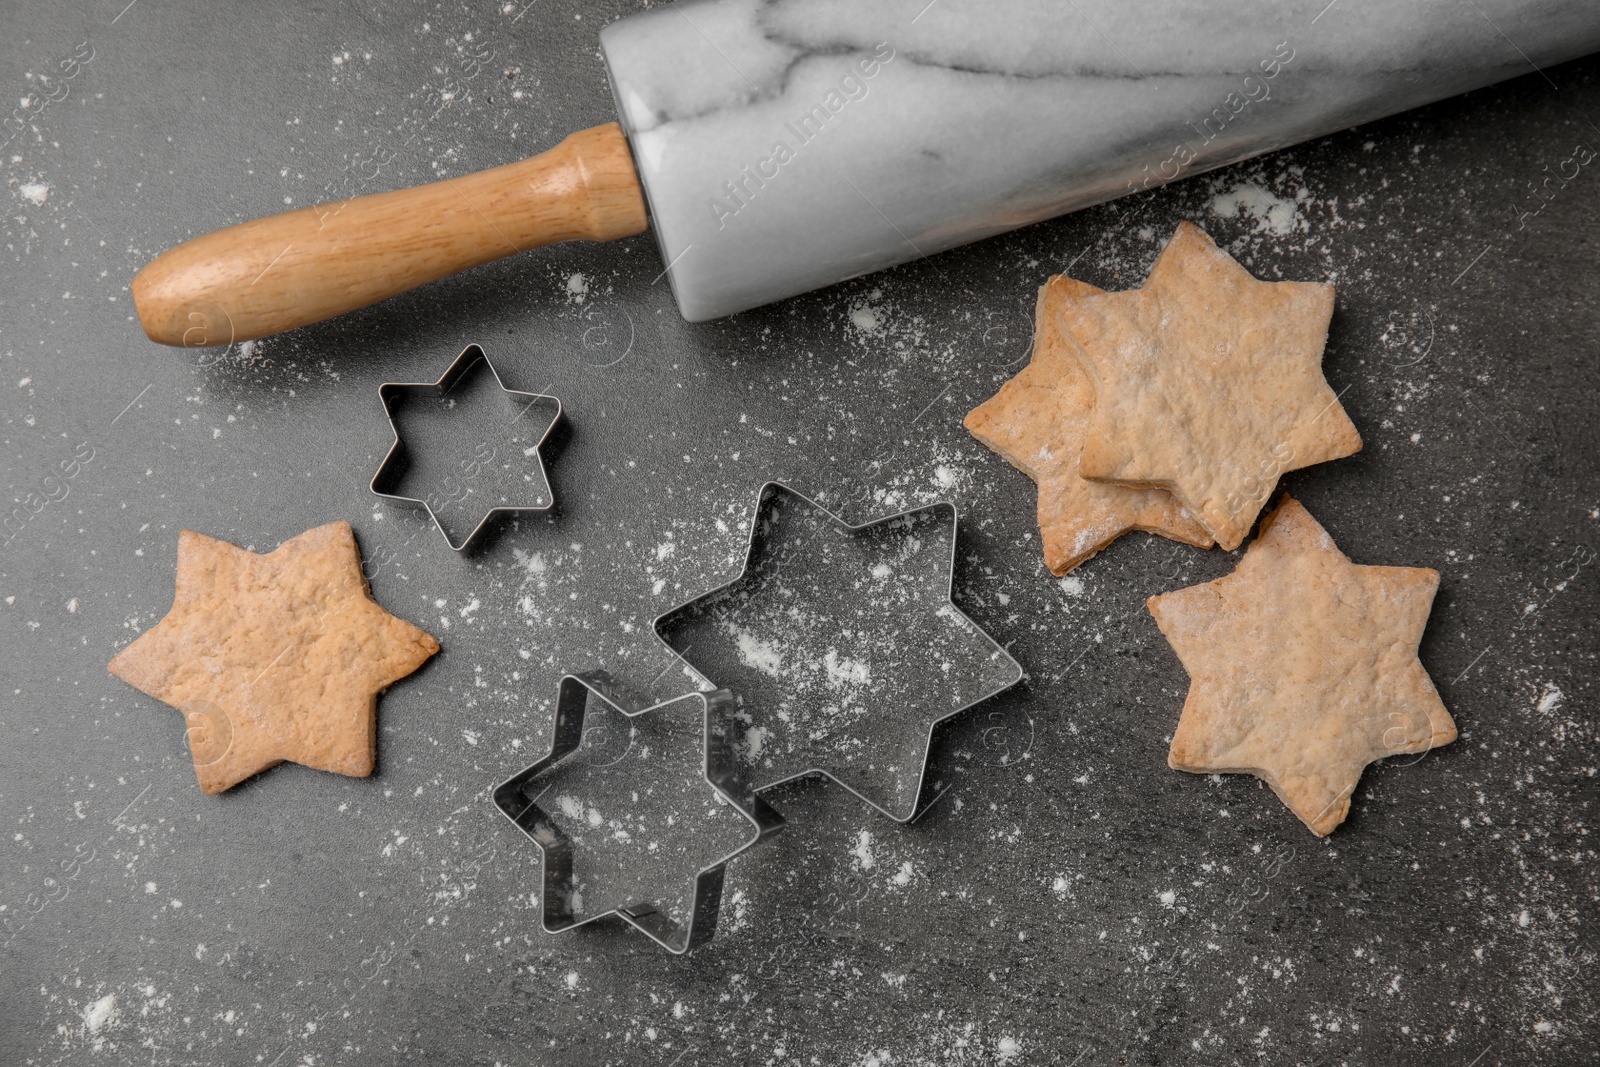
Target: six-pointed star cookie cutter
391,468
517,799
774,490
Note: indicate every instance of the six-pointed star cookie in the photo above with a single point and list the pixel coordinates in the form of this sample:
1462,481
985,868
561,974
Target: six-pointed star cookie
485,451
1209,382
1303,668
637,811
1039,421
274,657
843,645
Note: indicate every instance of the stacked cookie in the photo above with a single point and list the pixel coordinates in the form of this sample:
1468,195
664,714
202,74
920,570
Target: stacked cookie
1173,409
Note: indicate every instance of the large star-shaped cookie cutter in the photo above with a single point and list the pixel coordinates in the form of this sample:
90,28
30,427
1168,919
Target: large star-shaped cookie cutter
554,826
989,667
390,470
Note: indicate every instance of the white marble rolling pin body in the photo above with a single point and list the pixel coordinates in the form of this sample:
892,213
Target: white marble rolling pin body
789,144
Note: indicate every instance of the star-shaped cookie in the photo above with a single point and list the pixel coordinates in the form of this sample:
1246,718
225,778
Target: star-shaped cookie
637,811
1209,382
843,645
1039,421
274,657
1303,668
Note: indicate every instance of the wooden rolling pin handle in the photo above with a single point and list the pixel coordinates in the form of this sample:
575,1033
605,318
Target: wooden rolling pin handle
303,266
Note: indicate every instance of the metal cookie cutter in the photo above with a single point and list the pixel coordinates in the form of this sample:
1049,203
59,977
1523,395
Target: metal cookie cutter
632,799
844,646
397,461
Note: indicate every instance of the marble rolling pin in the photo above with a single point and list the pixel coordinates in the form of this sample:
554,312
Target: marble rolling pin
784,145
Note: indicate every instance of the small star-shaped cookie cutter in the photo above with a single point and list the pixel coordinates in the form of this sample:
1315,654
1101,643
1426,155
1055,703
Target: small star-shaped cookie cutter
390,469
517,798
1009,672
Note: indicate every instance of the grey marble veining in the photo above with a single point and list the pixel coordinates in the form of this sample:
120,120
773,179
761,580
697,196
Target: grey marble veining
789,144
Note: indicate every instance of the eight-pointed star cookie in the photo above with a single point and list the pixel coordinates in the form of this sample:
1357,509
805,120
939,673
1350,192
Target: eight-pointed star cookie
1209,382
1039,421
843,645
1303,668
637,810
274,657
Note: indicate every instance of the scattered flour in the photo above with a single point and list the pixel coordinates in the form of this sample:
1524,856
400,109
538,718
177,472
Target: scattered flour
863,851
843,670
755,741
1272,214
758,654
101,1013
35,193
532,562
570,806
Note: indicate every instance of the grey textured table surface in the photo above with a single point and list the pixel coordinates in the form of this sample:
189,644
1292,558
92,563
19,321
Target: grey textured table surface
1071,900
